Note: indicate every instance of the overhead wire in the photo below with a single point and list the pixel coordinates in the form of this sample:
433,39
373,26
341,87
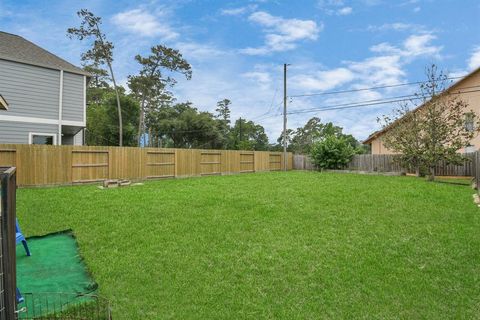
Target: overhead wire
366,89
366,103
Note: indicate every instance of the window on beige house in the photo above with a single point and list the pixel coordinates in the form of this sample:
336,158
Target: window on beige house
469,122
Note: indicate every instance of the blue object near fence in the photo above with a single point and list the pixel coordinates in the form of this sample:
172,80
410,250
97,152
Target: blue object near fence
21,238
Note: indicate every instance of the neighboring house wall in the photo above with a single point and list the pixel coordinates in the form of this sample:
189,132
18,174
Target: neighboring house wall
471,83
33,94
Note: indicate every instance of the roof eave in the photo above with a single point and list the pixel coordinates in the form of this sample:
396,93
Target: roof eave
78,71
376,134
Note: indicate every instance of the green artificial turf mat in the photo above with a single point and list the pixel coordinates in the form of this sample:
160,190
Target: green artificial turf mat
54,278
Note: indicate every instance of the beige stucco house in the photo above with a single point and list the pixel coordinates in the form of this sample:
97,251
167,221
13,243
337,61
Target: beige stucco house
469,90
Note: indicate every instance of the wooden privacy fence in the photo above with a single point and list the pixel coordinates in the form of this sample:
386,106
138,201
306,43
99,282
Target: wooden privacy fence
387,163
39,165
302,162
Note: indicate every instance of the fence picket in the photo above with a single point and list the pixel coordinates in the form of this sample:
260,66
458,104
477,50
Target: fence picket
39,165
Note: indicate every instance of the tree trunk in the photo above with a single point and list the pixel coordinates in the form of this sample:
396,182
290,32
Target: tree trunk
417,171
119,108
140,122
431,176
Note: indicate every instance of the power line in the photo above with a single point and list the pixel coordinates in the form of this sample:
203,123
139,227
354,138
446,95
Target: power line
270,109
366,103
365,89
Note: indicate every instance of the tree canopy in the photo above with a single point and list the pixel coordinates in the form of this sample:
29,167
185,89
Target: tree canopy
303,138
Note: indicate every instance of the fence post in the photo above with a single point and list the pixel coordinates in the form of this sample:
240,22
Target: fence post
477,169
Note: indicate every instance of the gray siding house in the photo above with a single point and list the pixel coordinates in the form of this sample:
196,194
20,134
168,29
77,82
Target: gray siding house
44,95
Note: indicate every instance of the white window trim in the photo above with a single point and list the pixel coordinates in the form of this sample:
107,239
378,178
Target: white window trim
60,108
31,134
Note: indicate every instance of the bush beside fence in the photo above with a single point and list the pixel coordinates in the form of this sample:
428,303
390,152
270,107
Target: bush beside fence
387,163
39,165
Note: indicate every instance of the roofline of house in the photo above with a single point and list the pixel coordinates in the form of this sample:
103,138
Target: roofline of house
79,71
378,133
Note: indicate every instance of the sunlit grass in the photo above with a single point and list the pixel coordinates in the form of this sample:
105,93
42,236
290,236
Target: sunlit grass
296,245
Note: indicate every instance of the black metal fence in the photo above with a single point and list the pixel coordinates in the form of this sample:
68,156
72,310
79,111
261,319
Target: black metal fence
7,244
71,306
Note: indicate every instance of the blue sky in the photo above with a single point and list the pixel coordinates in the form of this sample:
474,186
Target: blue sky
237,48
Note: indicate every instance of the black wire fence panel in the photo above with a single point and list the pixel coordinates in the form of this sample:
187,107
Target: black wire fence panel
64,306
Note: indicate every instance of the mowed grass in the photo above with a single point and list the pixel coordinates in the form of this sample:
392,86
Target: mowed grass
296,245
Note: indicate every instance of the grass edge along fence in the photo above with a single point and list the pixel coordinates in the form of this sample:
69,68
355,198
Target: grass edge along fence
386,163
40,165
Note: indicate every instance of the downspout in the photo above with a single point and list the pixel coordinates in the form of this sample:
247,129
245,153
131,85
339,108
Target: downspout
60,103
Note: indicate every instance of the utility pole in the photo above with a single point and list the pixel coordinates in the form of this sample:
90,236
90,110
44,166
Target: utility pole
285,161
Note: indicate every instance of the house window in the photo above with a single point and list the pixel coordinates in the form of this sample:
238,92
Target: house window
469,122
42,138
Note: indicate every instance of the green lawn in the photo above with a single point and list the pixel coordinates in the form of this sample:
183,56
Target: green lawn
296,245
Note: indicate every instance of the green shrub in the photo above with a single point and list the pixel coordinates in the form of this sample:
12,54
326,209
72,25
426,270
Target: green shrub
331,153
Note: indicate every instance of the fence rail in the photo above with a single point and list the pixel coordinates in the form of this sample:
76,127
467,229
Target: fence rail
39,165
387,163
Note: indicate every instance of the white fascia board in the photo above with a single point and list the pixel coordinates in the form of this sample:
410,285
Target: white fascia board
40,120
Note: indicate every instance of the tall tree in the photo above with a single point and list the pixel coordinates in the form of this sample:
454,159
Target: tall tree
100,52
436,130
183,126
247,135
404,137
102,122
223,120
303,138
150,85
223,110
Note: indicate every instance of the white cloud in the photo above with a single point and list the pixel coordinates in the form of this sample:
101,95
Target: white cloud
322,80
417,45
198,51
381,70
345,11
238,11
143,23
335,7
258,76
414,46
282,34
396,26
474,61
385,47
